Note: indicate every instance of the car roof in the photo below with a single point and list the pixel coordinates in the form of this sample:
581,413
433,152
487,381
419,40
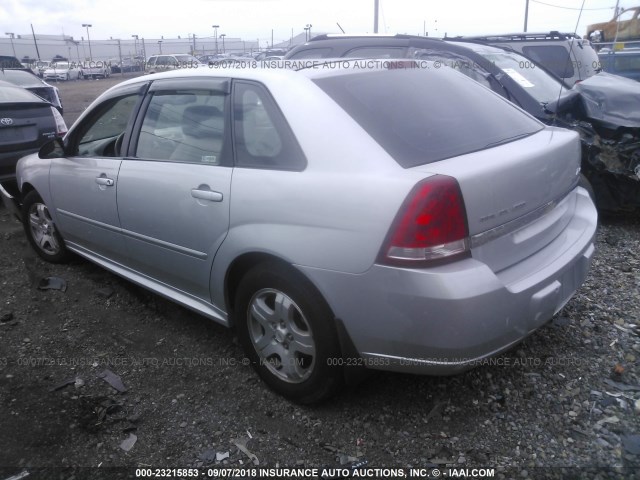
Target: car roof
294,69
522,36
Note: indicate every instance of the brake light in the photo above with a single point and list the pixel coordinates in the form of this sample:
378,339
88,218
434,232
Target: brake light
61,127
431,226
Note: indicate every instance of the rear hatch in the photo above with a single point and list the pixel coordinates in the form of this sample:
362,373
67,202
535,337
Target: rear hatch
25,126
26,123
517,195
514,174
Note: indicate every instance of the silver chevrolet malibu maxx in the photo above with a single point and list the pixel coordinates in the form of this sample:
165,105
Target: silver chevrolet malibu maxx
391,216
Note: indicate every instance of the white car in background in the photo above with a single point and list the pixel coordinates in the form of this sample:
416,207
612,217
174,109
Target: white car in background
95,69
62,71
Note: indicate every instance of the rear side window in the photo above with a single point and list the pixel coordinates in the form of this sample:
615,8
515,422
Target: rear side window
553,57
263,138
420,116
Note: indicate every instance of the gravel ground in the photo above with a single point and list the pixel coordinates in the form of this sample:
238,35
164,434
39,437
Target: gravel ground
564,404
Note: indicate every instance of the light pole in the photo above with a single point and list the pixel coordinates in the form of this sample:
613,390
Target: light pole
11,36
215,34
526,15
222,35
376,6
135,44
87,25
307,30
160,45
76,43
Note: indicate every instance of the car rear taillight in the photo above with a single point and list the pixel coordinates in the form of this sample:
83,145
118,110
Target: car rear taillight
61,127
431,226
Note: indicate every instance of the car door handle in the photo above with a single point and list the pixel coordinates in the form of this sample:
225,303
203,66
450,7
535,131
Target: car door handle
206,195
107,182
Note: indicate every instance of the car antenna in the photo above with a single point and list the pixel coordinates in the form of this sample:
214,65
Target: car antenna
342,29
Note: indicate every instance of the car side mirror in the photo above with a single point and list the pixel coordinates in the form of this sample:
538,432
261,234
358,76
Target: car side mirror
52,149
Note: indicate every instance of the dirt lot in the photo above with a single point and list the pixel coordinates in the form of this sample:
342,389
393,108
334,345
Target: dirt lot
563,404
77,95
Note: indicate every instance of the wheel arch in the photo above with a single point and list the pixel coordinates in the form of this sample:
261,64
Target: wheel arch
240,266
245,262
26,189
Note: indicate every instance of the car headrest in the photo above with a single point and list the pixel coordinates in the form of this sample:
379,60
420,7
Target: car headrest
202,121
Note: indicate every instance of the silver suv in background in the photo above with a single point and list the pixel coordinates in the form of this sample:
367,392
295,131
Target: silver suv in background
567,55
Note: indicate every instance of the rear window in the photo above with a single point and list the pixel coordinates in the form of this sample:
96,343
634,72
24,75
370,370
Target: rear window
420,116
11,94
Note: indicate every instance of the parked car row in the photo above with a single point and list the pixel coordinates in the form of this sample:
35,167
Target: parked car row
335,217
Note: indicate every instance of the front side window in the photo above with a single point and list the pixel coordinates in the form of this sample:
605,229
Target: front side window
102,135
263,139
183,126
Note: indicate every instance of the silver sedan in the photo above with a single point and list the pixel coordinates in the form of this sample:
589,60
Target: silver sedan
362,214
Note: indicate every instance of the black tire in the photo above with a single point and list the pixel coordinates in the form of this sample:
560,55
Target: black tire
41,230
300,353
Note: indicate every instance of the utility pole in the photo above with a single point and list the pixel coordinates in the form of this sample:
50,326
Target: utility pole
135,44
215,33
526,16
120,58
376,5
11,36
87,25
35,42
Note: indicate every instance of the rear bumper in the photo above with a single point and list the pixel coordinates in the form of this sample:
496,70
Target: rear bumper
447,319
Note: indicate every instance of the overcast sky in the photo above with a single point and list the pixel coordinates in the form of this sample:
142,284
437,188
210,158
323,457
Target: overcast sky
253,19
